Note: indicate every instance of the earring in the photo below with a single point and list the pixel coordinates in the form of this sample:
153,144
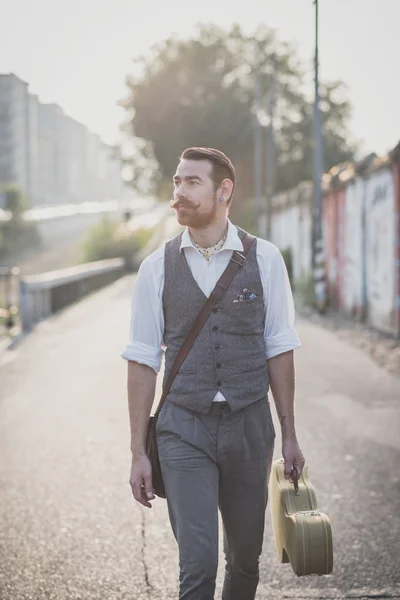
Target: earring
221,199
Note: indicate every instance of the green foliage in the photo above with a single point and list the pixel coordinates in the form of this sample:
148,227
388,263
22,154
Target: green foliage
17,236
304,293
101,241
110,239
143,237
244,215
15,201
200,92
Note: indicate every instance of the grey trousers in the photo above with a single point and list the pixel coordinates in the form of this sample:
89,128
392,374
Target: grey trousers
218,460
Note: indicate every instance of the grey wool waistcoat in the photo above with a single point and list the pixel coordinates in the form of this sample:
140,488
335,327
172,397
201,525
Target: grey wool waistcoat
229,353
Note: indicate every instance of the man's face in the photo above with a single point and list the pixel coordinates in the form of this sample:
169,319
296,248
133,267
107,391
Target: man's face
194,198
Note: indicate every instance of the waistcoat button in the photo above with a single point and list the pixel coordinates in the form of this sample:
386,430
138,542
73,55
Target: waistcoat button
215,328
219,383
219,365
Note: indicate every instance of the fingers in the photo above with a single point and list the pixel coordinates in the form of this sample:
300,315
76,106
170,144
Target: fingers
148,486
299,465
293,470
288,469
293,466
141,481
138,492
142,489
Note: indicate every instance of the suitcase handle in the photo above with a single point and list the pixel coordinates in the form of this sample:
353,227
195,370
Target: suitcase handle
295,480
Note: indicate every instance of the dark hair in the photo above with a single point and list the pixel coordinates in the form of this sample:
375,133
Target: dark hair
222,167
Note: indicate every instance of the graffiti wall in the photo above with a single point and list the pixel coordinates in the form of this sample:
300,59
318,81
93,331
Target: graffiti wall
396,181
352,269
333,228
361,229
380,250
291,227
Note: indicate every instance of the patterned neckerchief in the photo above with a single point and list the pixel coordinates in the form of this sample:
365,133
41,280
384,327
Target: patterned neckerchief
208,252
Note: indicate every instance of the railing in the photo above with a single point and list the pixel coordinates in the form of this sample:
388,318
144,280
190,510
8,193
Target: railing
40,296
43,295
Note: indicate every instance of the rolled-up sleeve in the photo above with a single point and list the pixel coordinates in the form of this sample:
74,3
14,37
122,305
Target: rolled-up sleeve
279,331
147,317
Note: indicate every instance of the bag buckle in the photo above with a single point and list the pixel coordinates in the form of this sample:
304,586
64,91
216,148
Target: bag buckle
241,257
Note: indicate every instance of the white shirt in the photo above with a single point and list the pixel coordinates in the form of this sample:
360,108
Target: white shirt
146,330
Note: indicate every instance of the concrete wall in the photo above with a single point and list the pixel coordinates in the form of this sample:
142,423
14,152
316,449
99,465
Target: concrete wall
361,228
396,182
380,250
352,276
291,228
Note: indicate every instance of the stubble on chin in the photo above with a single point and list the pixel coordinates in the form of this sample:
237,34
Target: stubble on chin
183,219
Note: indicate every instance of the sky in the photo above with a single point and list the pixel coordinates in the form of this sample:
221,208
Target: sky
78,53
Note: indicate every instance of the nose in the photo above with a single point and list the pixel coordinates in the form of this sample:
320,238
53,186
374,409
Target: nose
178,197
178,190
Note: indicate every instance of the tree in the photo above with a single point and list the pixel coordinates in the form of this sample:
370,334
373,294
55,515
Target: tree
200,92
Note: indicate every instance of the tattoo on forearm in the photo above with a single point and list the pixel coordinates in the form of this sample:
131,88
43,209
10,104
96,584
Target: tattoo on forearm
282,419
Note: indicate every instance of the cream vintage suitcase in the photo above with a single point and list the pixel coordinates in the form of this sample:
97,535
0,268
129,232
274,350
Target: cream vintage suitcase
303,534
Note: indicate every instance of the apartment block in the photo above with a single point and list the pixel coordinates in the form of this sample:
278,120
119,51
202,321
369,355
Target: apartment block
52,157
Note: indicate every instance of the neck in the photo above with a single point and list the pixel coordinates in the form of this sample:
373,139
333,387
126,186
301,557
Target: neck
211,235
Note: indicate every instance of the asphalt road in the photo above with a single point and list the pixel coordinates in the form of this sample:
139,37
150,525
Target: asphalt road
69,527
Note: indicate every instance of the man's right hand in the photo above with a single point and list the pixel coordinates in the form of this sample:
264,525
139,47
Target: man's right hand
140,480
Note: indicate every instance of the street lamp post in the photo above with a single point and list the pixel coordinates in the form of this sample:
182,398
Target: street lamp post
271,147
258,158
318,262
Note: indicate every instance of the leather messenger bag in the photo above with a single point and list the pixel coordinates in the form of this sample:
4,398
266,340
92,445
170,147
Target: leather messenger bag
235,264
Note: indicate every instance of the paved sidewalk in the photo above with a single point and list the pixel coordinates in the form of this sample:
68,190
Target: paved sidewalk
69,527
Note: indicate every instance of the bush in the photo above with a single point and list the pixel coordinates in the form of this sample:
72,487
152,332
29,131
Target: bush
15,201
305,294
17,236
110,239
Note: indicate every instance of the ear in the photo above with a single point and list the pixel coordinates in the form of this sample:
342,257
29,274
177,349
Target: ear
225,189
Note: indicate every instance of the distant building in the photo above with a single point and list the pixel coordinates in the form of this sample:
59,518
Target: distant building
48,154
33,148
14,131
54,158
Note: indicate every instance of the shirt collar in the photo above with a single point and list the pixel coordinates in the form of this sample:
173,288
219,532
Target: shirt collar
233,241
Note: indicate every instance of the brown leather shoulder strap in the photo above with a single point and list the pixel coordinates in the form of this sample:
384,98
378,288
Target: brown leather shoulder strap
235,264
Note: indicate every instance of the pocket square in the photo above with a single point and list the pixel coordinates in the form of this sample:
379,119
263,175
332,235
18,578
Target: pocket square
245,296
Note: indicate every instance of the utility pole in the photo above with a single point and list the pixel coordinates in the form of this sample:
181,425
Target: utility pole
271,149
318,256
258,157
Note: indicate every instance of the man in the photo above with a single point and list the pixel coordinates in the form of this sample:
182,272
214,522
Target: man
215,433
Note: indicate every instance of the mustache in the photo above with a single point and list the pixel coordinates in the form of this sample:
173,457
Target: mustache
179,203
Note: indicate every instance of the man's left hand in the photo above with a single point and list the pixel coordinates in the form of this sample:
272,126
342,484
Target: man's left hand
293,457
